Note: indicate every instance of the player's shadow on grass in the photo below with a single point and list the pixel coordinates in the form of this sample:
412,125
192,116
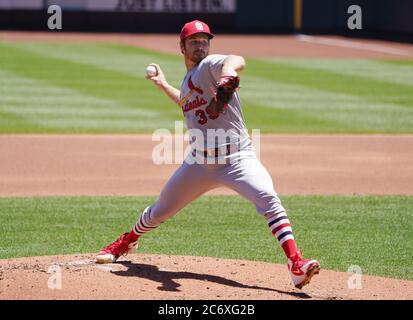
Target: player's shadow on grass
167,283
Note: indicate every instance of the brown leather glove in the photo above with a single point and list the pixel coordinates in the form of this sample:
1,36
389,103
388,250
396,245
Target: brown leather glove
225,89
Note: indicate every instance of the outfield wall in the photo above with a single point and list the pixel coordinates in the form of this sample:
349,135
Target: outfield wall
229,16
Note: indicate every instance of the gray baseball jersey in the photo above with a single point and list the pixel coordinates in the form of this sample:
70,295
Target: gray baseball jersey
197,90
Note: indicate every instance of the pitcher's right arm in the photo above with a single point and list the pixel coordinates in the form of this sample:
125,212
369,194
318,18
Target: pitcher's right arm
160,81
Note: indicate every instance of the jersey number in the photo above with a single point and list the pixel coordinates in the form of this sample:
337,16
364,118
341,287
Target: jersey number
202,118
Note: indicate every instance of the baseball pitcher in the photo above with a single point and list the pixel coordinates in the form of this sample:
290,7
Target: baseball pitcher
210,103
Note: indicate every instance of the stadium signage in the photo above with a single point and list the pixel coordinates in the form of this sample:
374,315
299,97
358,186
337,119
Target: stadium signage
166,6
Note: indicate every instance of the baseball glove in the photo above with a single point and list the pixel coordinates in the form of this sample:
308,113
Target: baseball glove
225,89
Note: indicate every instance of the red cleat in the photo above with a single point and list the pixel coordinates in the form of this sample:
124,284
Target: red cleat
112,252
302,270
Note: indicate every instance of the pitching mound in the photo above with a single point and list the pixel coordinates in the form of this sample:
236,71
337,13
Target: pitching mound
143,276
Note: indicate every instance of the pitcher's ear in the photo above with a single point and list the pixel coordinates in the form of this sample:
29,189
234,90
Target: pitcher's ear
182,45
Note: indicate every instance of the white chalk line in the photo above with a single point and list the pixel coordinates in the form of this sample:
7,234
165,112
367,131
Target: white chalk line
352,45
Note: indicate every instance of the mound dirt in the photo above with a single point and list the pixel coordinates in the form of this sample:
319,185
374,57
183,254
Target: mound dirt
143,276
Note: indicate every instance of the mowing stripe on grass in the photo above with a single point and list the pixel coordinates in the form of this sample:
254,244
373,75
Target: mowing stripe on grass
398,62
129,107
369,69
368,89
54,107
278,96
130,62
88,79
345,111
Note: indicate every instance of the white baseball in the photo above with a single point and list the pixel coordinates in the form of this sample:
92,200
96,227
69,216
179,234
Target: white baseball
151,71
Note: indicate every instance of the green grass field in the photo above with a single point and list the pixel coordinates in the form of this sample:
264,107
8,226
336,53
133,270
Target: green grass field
100,88
375,233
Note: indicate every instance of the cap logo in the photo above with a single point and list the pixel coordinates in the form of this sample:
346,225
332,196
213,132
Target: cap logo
199,26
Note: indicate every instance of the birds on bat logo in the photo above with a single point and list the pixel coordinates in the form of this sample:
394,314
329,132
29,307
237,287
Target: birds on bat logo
191,87
198,101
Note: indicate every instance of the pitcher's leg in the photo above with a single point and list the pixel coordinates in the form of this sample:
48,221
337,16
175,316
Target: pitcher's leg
185,185
250,179
188,183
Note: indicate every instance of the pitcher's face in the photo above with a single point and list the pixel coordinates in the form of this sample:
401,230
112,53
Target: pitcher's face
196,47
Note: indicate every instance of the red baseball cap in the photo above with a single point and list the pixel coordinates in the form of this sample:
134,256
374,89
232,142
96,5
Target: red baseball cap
193,27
